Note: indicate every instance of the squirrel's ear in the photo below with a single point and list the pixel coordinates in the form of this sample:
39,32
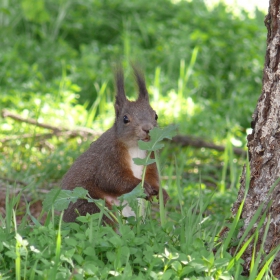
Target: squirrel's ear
143,93
120,95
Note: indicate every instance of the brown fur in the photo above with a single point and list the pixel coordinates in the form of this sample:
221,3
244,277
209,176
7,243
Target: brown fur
104,169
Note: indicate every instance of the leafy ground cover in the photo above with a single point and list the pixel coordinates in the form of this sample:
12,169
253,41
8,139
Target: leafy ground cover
203,69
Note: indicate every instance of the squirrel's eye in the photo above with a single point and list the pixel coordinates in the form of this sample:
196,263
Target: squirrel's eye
125,119
156,117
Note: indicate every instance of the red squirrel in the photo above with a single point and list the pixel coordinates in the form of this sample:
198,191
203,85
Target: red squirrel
106,169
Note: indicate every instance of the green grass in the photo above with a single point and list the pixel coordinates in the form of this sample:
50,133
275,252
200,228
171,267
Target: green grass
203,69
188,245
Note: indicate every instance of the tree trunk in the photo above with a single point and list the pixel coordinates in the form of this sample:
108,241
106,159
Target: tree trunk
264,144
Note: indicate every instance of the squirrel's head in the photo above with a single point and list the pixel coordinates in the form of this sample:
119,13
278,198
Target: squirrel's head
134,119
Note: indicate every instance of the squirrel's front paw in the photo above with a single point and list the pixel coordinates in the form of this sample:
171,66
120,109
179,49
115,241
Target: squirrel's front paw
149,191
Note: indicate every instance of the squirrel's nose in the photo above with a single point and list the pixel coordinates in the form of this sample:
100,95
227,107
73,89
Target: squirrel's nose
147,127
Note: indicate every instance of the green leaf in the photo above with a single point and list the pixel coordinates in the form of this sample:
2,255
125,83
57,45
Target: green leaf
150,146
137,192
116,241
187,270
198,265
167,275
79,192
89,251
143,161
177,266
60,199
71,241
221,262
131,197
158,135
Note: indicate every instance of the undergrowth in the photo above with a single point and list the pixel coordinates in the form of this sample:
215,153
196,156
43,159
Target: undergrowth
188,245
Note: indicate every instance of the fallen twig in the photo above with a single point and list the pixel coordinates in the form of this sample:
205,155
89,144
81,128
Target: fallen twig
58,131
29,135
185,140
3,189
13,181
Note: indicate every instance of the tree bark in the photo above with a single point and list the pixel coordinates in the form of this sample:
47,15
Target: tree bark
264,145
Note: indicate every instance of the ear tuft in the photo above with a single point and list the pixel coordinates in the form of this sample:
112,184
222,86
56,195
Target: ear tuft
143,93
120,92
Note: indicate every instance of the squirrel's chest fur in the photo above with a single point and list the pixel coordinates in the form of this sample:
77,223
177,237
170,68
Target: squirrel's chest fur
137,171
135,152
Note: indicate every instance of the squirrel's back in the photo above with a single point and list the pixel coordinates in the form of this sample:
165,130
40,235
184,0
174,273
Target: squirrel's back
98,161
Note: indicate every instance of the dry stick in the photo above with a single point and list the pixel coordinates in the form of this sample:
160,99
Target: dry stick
18,182
199,143
179,139
83,131
6,114
45,136
3,189
26,136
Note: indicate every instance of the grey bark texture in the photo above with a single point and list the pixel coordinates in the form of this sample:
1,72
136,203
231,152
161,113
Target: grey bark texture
264,145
